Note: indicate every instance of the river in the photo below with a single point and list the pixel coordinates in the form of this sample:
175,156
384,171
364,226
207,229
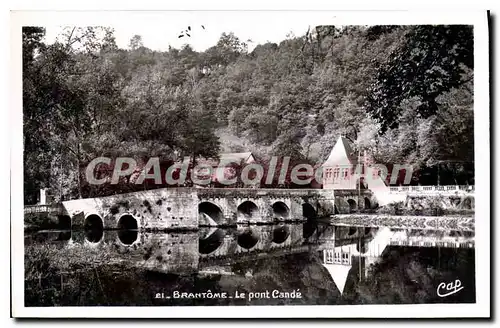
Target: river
247,265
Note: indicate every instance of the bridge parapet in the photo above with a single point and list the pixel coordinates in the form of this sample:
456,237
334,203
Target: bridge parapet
45,208
433,189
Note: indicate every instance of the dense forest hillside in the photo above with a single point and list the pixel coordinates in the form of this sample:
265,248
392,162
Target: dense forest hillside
404,93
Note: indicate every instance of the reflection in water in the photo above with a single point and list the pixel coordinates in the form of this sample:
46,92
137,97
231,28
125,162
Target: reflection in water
128,237
248,238
280,234
48,237
210,239
132,263
308,228
64,235
94,235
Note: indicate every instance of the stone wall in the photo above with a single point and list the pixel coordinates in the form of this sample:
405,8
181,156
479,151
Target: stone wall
153,209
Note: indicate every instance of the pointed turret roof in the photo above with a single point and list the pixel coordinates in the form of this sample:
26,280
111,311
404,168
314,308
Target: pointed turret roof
341,153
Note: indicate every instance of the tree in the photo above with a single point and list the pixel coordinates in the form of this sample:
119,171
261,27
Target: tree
135,42
432,60
198,137
37,151
227,49
261,125
288,145
69,95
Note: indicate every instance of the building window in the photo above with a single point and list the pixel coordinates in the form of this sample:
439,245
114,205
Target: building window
345,173
336,173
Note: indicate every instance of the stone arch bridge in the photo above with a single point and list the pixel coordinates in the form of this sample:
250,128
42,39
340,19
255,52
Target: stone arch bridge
190,208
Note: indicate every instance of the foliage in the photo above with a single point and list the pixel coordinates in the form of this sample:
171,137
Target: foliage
433,60
402,93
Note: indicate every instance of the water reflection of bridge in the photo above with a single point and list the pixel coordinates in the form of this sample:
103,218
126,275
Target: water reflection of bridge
365,246
193,251
445,223
214,250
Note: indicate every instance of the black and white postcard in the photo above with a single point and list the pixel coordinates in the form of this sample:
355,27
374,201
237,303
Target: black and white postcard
264,164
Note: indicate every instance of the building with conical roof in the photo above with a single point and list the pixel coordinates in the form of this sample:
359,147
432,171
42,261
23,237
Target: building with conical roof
340,167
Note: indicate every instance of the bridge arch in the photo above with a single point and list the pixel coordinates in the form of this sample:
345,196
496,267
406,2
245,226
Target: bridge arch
368,204
211,240
280,210
64,222
281,234
94,228
247,210
127,229
127,222
208,211
352,205
308,211
248,238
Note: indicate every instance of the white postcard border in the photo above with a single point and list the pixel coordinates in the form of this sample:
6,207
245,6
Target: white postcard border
482,169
